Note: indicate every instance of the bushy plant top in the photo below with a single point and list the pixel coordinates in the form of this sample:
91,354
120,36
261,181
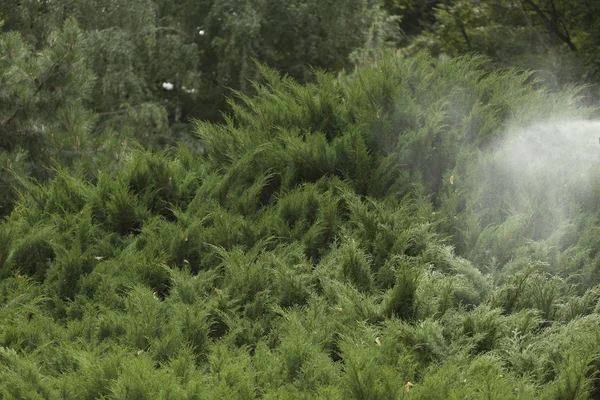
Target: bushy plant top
324,246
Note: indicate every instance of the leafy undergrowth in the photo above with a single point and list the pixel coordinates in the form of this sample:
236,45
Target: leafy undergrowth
330,243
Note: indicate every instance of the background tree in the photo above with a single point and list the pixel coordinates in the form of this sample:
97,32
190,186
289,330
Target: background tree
292,37
559,38
132,56
44,117
201,50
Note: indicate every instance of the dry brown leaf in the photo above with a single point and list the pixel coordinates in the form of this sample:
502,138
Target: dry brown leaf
408,386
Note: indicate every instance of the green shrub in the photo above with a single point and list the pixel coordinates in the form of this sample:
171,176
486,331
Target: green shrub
335,240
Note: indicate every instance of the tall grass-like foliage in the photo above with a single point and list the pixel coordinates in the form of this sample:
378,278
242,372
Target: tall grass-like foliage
332,242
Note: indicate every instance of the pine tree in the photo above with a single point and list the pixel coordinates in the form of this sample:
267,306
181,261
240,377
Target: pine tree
44,119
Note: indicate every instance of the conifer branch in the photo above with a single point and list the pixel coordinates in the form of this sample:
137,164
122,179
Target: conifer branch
52,70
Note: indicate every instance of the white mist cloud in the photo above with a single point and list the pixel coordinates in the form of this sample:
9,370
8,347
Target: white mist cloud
556,152
544,172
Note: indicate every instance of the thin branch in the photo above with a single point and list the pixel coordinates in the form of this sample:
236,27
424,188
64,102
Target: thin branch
170,28
156,29
461,26
106,113
117,112
528,22
551,25
53,70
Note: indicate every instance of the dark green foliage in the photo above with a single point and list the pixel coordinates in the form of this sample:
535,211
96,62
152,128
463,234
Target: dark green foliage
400,302
355,265
123,215
335,240
30,255
64,278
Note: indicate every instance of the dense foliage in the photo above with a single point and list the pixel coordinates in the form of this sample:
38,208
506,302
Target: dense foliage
44,118
557,37
346,238
81,80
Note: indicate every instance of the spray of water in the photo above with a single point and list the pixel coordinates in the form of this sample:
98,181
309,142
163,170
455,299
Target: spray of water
546,171
557,149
